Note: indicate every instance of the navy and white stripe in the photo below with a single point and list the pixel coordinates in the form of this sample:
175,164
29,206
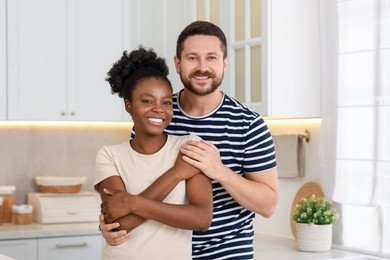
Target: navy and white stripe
245,146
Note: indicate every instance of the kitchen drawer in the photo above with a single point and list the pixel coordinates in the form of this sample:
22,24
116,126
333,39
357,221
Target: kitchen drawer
76,247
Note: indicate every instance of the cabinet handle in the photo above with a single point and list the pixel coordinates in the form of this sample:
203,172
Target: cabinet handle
81,244
63,113
72,113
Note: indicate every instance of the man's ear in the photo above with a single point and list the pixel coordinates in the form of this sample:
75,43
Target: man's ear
128,107
176,60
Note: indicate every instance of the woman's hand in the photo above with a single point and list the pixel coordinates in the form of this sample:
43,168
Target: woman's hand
116,205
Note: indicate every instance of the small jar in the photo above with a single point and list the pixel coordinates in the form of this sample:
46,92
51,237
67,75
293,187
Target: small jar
22,214
9,199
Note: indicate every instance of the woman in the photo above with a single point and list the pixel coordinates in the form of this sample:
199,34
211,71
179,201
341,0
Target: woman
160,223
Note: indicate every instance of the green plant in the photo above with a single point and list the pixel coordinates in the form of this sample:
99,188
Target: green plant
315,210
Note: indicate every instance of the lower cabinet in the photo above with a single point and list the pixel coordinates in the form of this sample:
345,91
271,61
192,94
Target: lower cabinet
22,249
81,247
58,248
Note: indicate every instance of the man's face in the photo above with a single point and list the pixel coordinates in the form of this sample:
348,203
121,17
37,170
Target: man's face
202,66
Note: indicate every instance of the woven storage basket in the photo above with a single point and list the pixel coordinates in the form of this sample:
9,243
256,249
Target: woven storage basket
53,184
60,189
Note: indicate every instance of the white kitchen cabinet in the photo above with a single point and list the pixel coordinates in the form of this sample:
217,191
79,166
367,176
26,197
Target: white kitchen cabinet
78,247
3,61
157,24
291,70
289,44
20,249
59,53
54,248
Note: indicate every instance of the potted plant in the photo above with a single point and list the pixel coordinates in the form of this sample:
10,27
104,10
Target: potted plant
314,217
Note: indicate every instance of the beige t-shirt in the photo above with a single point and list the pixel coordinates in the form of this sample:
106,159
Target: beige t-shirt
151,240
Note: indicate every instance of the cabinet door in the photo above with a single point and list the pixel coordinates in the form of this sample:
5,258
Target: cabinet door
20,249
37,59
77,247
289,50
98,35
3,81
293,66
59,54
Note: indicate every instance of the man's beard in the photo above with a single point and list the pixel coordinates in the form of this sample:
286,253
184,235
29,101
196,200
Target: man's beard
202,91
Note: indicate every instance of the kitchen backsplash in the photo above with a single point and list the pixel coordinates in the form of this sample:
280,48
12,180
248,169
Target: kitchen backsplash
69,149
64,149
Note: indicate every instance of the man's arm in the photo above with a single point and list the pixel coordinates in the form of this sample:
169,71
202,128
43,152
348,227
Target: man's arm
258,192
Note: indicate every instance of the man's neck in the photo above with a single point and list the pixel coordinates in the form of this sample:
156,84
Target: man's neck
195,105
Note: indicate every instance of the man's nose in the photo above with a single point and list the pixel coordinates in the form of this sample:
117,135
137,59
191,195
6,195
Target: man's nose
202,65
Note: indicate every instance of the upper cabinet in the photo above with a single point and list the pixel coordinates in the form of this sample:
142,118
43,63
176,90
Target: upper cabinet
157,24
3,68
292,68
274,55
59,53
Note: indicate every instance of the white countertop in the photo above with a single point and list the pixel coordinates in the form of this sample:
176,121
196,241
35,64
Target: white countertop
281,248
35,230
266,246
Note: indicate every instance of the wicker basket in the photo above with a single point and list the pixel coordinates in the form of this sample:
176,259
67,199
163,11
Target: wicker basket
60,189
52,184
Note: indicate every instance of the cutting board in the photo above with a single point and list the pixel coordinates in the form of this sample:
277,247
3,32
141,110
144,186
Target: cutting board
305,191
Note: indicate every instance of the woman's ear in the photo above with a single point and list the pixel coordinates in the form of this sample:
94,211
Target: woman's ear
128,107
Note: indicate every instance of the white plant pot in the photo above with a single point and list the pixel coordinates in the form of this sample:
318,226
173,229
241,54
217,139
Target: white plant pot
314,238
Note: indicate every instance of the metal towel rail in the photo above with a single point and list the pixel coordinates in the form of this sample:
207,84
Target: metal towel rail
305,136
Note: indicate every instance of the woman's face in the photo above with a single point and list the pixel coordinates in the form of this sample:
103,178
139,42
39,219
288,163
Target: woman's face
151,106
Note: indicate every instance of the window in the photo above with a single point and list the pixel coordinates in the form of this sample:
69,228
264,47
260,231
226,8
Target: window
356,105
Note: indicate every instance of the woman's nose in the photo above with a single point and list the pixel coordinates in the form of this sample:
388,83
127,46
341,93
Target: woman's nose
158,108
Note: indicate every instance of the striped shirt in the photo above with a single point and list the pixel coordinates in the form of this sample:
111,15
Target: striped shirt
245,146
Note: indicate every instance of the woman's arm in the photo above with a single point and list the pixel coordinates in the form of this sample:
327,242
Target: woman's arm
115,183
196,215
157,191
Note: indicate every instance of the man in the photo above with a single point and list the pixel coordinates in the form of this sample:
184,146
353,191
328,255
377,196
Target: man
237,154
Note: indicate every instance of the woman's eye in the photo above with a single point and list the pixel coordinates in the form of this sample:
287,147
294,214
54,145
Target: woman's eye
146,101
168,103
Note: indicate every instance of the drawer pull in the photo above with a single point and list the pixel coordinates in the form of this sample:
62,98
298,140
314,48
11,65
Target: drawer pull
82,244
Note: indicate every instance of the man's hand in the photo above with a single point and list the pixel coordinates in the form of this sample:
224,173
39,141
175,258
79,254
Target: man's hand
113,238
115,205
203,155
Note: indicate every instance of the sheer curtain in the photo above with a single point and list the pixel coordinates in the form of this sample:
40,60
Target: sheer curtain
355,130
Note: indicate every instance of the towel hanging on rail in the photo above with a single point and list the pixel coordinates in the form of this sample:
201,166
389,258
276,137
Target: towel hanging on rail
290,155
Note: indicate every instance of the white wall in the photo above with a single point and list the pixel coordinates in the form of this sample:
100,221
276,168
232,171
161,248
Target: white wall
279,223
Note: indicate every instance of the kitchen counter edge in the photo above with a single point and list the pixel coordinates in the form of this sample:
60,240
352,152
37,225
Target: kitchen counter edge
10,231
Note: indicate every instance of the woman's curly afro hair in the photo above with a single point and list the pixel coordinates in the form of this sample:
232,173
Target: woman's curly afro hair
131,68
